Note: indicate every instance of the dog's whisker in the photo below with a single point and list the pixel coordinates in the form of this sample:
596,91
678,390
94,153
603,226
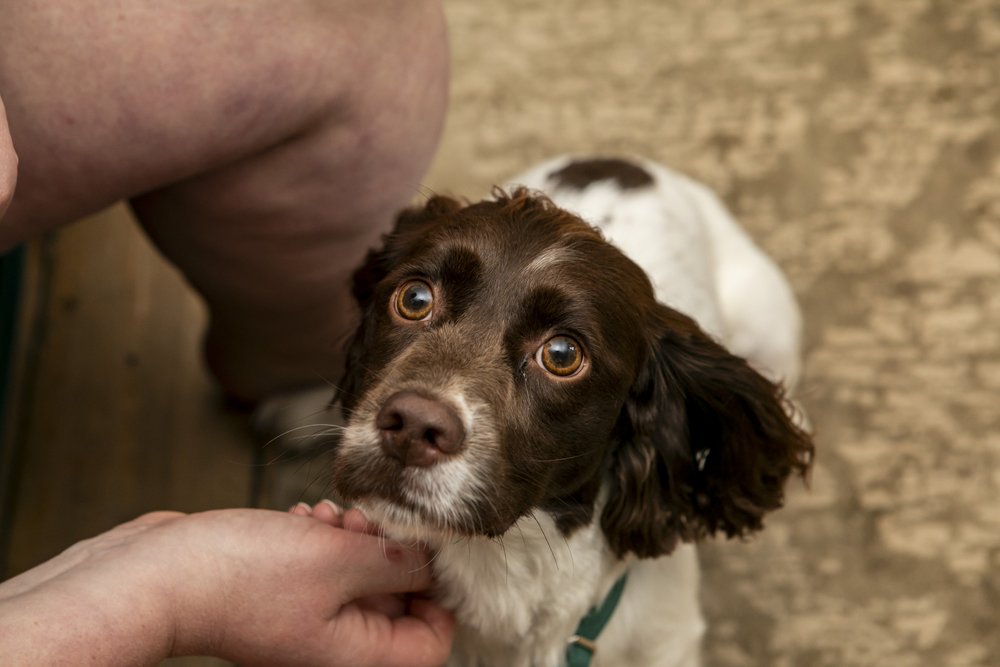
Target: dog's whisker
569,550
429,563
382,542
280,457
311,436
425,191
326,490
524,540
319,411
329,383
563,458
297,428
546,538
314,436
506,564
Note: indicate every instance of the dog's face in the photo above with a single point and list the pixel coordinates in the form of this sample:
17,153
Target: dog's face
510,360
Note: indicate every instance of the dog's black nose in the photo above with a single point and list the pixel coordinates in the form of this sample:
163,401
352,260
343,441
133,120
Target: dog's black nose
418,431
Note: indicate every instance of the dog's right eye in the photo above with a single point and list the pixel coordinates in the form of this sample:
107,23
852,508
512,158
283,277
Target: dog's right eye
414,300
561,356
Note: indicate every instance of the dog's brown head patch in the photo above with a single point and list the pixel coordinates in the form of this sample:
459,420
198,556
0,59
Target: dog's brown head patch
570,378
578,174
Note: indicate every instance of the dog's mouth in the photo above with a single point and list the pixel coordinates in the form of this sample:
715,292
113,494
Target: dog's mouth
407,525
408,522
430,504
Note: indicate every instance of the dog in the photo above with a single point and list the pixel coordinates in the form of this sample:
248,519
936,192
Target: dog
561,389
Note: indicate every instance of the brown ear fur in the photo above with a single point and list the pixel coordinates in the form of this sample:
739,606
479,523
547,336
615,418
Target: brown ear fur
410,224
707,444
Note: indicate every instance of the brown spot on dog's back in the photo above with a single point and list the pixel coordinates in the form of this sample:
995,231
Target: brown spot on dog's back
581,173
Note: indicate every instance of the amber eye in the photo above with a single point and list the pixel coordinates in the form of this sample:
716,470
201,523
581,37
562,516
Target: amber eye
414,300
560,355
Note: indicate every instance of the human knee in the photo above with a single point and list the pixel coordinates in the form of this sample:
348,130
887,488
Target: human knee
369,121
8,164
395,94
367,61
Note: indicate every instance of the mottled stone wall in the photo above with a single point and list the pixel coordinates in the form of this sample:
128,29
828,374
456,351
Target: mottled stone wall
860,144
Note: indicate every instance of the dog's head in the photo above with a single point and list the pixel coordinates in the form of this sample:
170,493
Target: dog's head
510,360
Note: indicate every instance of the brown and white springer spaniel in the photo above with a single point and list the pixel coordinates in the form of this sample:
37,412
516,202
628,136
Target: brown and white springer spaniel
520,397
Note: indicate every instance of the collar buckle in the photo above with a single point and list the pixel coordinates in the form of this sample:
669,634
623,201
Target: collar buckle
587,645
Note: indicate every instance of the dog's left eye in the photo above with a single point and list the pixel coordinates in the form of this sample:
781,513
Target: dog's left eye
560,355
414,300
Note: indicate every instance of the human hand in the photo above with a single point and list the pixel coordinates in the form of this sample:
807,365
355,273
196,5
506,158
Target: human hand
389,604
252,586
320,595
8,163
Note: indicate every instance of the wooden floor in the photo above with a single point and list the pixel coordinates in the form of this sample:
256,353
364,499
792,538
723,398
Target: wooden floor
116,369
114,414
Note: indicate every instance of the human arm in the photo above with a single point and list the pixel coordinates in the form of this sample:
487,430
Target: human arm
251,586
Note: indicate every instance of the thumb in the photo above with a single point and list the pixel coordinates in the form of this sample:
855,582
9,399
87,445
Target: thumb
371,565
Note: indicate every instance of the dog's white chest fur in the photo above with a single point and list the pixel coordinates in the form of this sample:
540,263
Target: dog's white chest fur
519,601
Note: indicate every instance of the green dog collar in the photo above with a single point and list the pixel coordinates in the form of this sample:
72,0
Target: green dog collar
583,645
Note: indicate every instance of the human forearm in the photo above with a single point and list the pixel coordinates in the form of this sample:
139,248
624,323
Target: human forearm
67,624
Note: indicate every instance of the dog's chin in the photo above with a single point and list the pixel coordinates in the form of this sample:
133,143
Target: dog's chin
406,525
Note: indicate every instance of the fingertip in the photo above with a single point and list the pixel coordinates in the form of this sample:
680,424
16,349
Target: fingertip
328,512
300,509
337,509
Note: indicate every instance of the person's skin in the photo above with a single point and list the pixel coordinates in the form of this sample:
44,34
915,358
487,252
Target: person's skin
264,144
252,586
8,163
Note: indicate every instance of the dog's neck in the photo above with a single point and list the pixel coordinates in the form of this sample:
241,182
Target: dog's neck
518,599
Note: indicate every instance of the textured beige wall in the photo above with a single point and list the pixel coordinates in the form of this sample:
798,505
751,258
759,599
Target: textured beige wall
860,144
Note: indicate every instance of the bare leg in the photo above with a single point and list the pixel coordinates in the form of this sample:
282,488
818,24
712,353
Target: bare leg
265,144
8,163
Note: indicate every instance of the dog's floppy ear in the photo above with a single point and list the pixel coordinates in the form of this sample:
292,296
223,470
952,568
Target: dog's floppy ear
410,225
706,445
